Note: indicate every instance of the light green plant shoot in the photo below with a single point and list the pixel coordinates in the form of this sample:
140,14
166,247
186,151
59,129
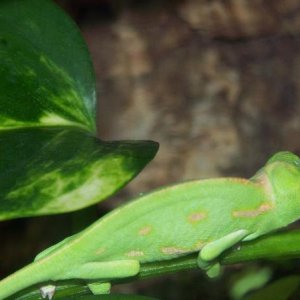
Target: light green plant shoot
205,216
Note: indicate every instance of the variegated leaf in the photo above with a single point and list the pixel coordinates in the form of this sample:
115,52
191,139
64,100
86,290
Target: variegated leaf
50,160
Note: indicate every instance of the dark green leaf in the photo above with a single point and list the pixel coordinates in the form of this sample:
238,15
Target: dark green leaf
54,170
46,76
50,162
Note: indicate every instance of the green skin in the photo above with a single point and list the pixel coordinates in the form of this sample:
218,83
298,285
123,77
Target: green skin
205,216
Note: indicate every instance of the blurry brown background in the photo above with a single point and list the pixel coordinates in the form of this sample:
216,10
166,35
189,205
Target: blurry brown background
215,82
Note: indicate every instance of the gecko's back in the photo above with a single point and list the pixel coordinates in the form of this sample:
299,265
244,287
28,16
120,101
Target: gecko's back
170,223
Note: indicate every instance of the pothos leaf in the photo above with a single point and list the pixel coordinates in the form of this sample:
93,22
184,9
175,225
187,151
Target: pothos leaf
46,78
53,170
51,161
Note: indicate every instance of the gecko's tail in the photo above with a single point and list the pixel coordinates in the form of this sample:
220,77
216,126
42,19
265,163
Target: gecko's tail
32,274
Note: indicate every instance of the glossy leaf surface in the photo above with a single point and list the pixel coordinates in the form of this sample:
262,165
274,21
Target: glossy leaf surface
46,76
50,160
53,170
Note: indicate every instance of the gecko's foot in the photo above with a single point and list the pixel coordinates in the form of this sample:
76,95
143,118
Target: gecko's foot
203,264
99,288
48,291
212,269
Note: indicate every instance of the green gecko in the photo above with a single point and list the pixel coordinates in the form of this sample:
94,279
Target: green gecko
206,216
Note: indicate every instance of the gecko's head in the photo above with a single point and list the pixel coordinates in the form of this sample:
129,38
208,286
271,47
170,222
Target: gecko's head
285,157
283,172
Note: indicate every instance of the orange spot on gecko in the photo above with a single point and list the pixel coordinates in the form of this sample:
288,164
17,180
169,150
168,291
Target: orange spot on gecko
199,245
145,230
135,253
263,180
173,250
100,251
196,217
239,180
252,213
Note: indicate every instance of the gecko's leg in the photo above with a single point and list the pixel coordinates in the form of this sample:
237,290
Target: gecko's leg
212,250
103,271
100,271
99,288
214,270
